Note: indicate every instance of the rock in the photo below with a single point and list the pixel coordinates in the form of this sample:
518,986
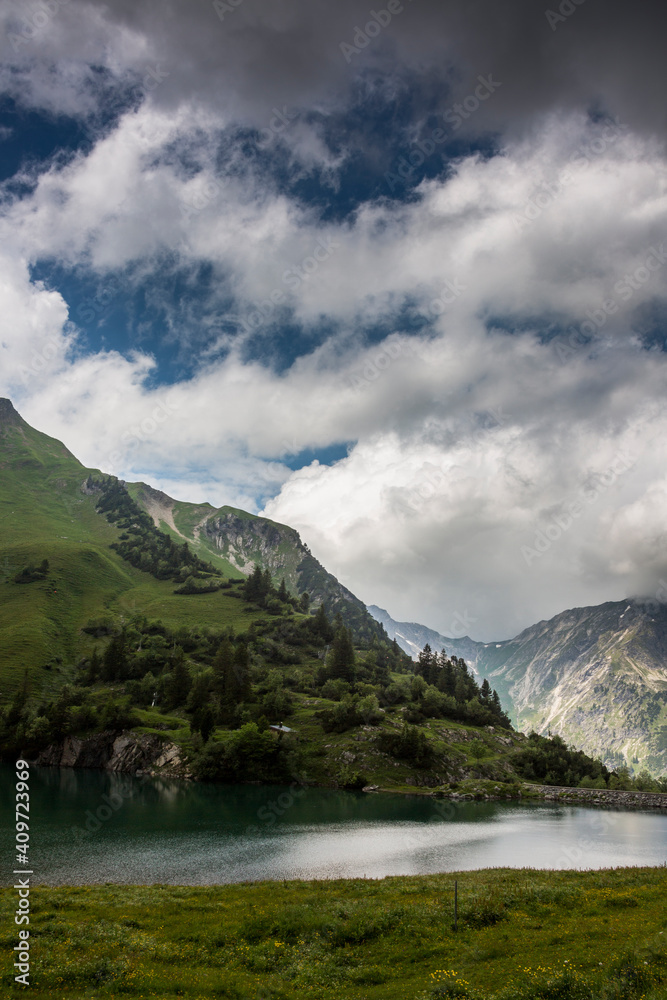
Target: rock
370,788
128,753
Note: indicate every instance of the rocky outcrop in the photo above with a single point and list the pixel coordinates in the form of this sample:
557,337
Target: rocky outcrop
602,797
129,753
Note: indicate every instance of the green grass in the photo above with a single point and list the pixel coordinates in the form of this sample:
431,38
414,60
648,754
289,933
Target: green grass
522,934
45,515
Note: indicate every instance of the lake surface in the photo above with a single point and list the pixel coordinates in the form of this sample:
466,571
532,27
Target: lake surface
93,826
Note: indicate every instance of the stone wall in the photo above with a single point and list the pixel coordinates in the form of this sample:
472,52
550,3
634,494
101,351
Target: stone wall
603,797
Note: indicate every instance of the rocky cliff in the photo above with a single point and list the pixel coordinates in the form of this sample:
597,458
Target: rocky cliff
130,753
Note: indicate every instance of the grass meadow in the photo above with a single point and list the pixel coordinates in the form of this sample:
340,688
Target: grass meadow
522,934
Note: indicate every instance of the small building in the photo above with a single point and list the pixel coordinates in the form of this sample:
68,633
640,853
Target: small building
280,729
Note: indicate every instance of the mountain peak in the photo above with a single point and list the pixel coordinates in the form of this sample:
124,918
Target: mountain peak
8,415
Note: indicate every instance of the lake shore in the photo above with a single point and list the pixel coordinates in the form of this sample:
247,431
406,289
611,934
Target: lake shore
148,754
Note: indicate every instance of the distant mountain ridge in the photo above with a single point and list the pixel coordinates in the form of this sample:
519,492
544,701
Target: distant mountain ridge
596,676
412,637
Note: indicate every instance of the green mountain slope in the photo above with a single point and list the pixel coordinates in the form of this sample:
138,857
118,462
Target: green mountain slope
596,675
236,541
48,512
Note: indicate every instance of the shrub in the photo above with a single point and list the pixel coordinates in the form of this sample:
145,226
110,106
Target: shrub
245,755
408,744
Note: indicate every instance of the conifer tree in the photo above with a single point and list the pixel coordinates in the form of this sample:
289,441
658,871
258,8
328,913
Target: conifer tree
224,681
242,689
114,661
322,625
342,659
180,681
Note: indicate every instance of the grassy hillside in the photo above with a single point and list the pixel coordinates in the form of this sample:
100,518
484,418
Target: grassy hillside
46,513
235,541
522,935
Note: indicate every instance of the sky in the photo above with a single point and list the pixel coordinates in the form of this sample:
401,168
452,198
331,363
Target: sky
395,276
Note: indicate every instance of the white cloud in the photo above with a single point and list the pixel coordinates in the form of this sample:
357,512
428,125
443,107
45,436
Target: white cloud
470,442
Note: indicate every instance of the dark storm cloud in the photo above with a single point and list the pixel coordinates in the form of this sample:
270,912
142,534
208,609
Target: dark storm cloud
246,56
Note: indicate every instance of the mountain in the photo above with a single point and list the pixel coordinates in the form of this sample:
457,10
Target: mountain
48,513
412,637
236,541
596,676
125,616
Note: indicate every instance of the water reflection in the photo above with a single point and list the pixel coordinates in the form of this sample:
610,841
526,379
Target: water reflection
95,826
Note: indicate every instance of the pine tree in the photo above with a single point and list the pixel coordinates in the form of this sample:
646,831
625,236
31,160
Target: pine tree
180,681
223,672
252,589
242,689
282,592
203,721
424,662
114,661
322,625
200,692
267,583
94,667
342,659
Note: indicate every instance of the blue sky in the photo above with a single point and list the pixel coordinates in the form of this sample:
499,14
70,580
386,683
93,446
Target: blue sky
409,297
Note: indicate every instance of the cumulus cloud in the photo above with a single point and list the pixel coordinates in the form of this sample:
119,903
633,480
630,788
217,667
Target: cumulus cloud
507,455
